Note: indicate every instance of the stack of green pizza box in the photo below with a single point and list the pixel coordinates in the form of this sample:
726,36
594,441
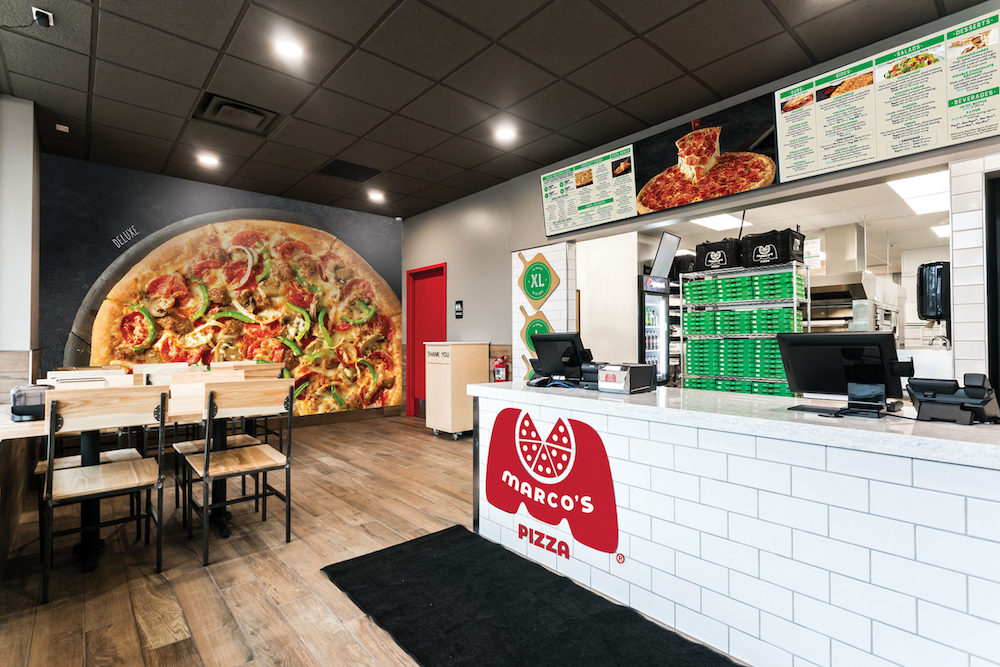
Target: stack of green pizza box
771,388
700,291
699,322
702,356
779,286
740,288
776,320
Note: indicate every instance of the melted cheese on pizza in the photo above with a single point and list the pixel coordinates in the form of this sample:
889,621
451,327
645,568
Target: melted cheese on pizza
698,151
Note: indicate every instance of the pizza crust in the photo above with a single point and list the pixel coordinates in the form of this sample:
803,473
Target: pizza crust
104,336
386,301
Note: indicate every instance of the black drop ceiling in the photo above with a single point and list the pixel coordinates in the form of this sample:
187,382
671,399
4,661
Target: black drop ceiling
408,88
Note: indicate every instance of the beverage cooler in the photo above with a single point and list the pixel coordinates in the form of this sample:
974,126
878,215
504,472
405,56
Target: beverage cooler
655,326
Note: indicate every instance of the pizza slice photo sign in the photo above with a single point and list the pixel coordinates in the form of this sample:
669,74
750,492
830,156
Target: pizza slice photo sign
261,290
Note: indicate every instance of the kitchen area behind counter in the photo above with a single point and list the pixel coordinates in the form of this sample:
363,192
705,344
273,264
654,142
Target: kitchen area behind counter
765,533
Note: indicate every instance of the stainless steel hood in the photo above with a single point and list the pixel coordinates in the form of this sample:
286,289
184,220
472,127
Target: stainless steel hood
854,286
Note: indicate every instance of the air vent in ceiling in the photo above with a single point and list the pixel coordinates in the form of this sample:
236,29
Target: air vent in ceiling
234,114
349,170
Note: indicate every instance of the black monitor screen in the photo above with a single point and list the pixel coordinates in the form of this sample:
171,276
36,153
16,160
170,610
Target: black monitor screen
826,363
560,354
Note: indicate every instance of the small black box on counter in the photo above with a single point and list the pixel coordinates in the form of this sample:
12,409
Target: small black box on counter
770,248
724,254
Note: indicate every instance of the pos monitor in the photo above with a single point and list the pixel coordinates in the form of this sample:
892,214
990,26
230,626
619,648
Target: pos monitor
861,365
560,355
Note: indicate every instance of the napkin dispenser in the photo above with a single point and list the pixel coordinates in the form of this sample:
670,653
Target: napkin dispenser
27,402
626,378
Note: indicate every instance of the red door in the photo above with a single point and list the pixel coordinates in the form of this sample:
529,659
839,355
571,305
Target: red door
426,321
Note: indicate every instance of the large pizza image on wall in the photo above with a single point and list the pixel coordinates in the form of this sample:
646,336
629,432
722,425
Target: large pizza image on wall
261,290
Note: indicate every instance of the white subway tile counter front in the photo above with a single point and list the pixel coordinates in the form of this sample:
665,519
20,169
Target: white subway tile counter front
778,537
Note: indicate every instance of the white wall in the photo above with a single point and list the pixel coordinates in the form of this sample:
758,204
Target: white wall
608,281
18,225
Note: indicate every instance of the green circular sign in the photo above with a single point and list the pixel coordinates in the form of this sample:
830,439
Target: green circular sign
535,327
537,280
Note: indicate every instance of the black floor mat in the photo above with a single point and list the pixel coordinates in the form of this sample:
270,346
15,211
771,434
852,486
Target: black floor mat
455,598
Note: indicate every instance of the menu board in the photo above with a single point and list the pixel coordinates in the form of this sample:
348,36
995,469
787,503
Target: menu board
936,91
593,192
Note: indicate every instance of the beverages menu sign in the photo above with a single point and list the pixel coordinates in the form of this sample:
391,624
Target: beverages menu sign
936,91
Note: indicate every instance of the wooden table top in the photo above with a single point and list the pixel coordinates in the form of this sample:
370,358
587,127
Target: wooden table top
11,430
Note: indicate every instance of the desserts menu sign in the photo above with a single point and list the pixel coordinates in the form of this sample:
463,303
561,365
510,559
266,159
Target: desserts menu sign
936,91
598,190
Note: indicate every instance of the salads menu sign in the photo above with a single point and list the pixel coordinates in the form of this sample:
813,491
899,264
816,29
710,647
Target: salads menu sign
936,91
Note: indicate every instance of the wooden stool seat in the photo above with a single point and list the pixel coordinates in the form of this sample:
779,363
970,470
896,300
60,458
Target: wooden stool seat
115,476
192,446
244,460
64,462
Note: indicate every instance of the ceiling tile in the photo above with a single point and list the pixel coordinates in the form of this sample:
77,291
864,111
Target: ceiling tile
253,185
952,6
797,11
246,82
644,14
376,155
141,89
602,127
763,62
447,109
72,28
441,193
129,142
425,40
187,154
347,19
484,16
303,193
428,168
254,41
328,186
59,147
129,43
550,149
499,77
565,35
463,152
397,183
46,124
193,172
123,159
43,61
310,136
220,139
341,113
670,100
472,181
205,21
558,105
417,204
270,173
407,134
526,132
632,68
135,119
50,96
393,86
290,156
861,23
507,166
727,26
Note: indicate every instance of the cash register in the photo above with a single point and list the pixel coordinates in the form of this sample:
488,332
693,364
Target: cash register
563,361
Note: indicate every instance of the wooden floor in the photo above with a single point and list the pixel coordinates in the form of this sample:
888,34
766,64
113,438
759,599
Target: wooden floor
356,487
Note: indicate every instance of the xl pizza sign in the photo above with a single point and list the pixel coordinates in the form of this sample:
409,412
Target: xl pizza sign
563,475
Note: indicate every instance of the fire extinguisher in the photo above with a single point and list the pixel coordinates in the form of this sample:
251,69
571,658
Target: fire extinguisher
500,369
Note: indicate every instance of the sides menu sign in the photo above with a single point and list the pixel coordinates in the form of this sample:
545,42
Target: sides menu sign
936,91
593,192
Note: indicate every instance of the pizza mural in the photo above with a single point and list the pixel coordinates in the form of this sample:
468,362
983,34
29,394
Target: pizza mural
265,290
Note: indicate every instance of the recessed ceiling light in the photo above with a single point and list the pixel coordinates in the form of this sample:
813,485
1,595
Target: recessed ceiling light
925,184
942,231
288,48
933,203
208,159
376,196
721,223
505,133
62,128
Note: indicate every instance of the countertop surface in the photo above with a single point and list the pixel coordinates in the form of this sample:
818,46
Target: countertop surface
10,430
769,417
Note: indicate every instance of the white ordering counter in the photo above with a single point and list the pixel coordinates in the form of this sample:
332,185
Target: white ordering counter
782,538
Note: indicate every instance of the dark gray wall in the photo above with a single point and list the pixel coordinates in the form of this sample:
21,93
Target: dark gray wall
84,205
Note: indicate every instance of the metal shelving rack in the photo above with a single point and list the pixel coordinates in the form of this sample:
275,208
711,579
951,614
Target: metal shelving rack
794,302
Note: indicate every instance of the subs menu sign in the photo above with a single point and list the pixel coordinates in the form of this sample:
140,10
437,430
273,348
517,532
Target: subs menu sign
936,91
593,192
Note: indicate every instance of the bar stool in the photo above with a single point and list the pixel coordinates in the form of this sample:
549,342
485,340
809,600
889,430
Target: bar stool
88,411
250,398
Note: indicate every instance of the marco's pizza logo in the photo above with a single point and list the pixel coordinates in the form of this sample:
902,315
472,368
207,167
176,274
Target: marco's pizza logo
564,475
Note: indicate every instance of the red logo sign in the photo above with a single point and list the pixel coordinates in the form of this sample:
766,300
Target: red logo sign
566,475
